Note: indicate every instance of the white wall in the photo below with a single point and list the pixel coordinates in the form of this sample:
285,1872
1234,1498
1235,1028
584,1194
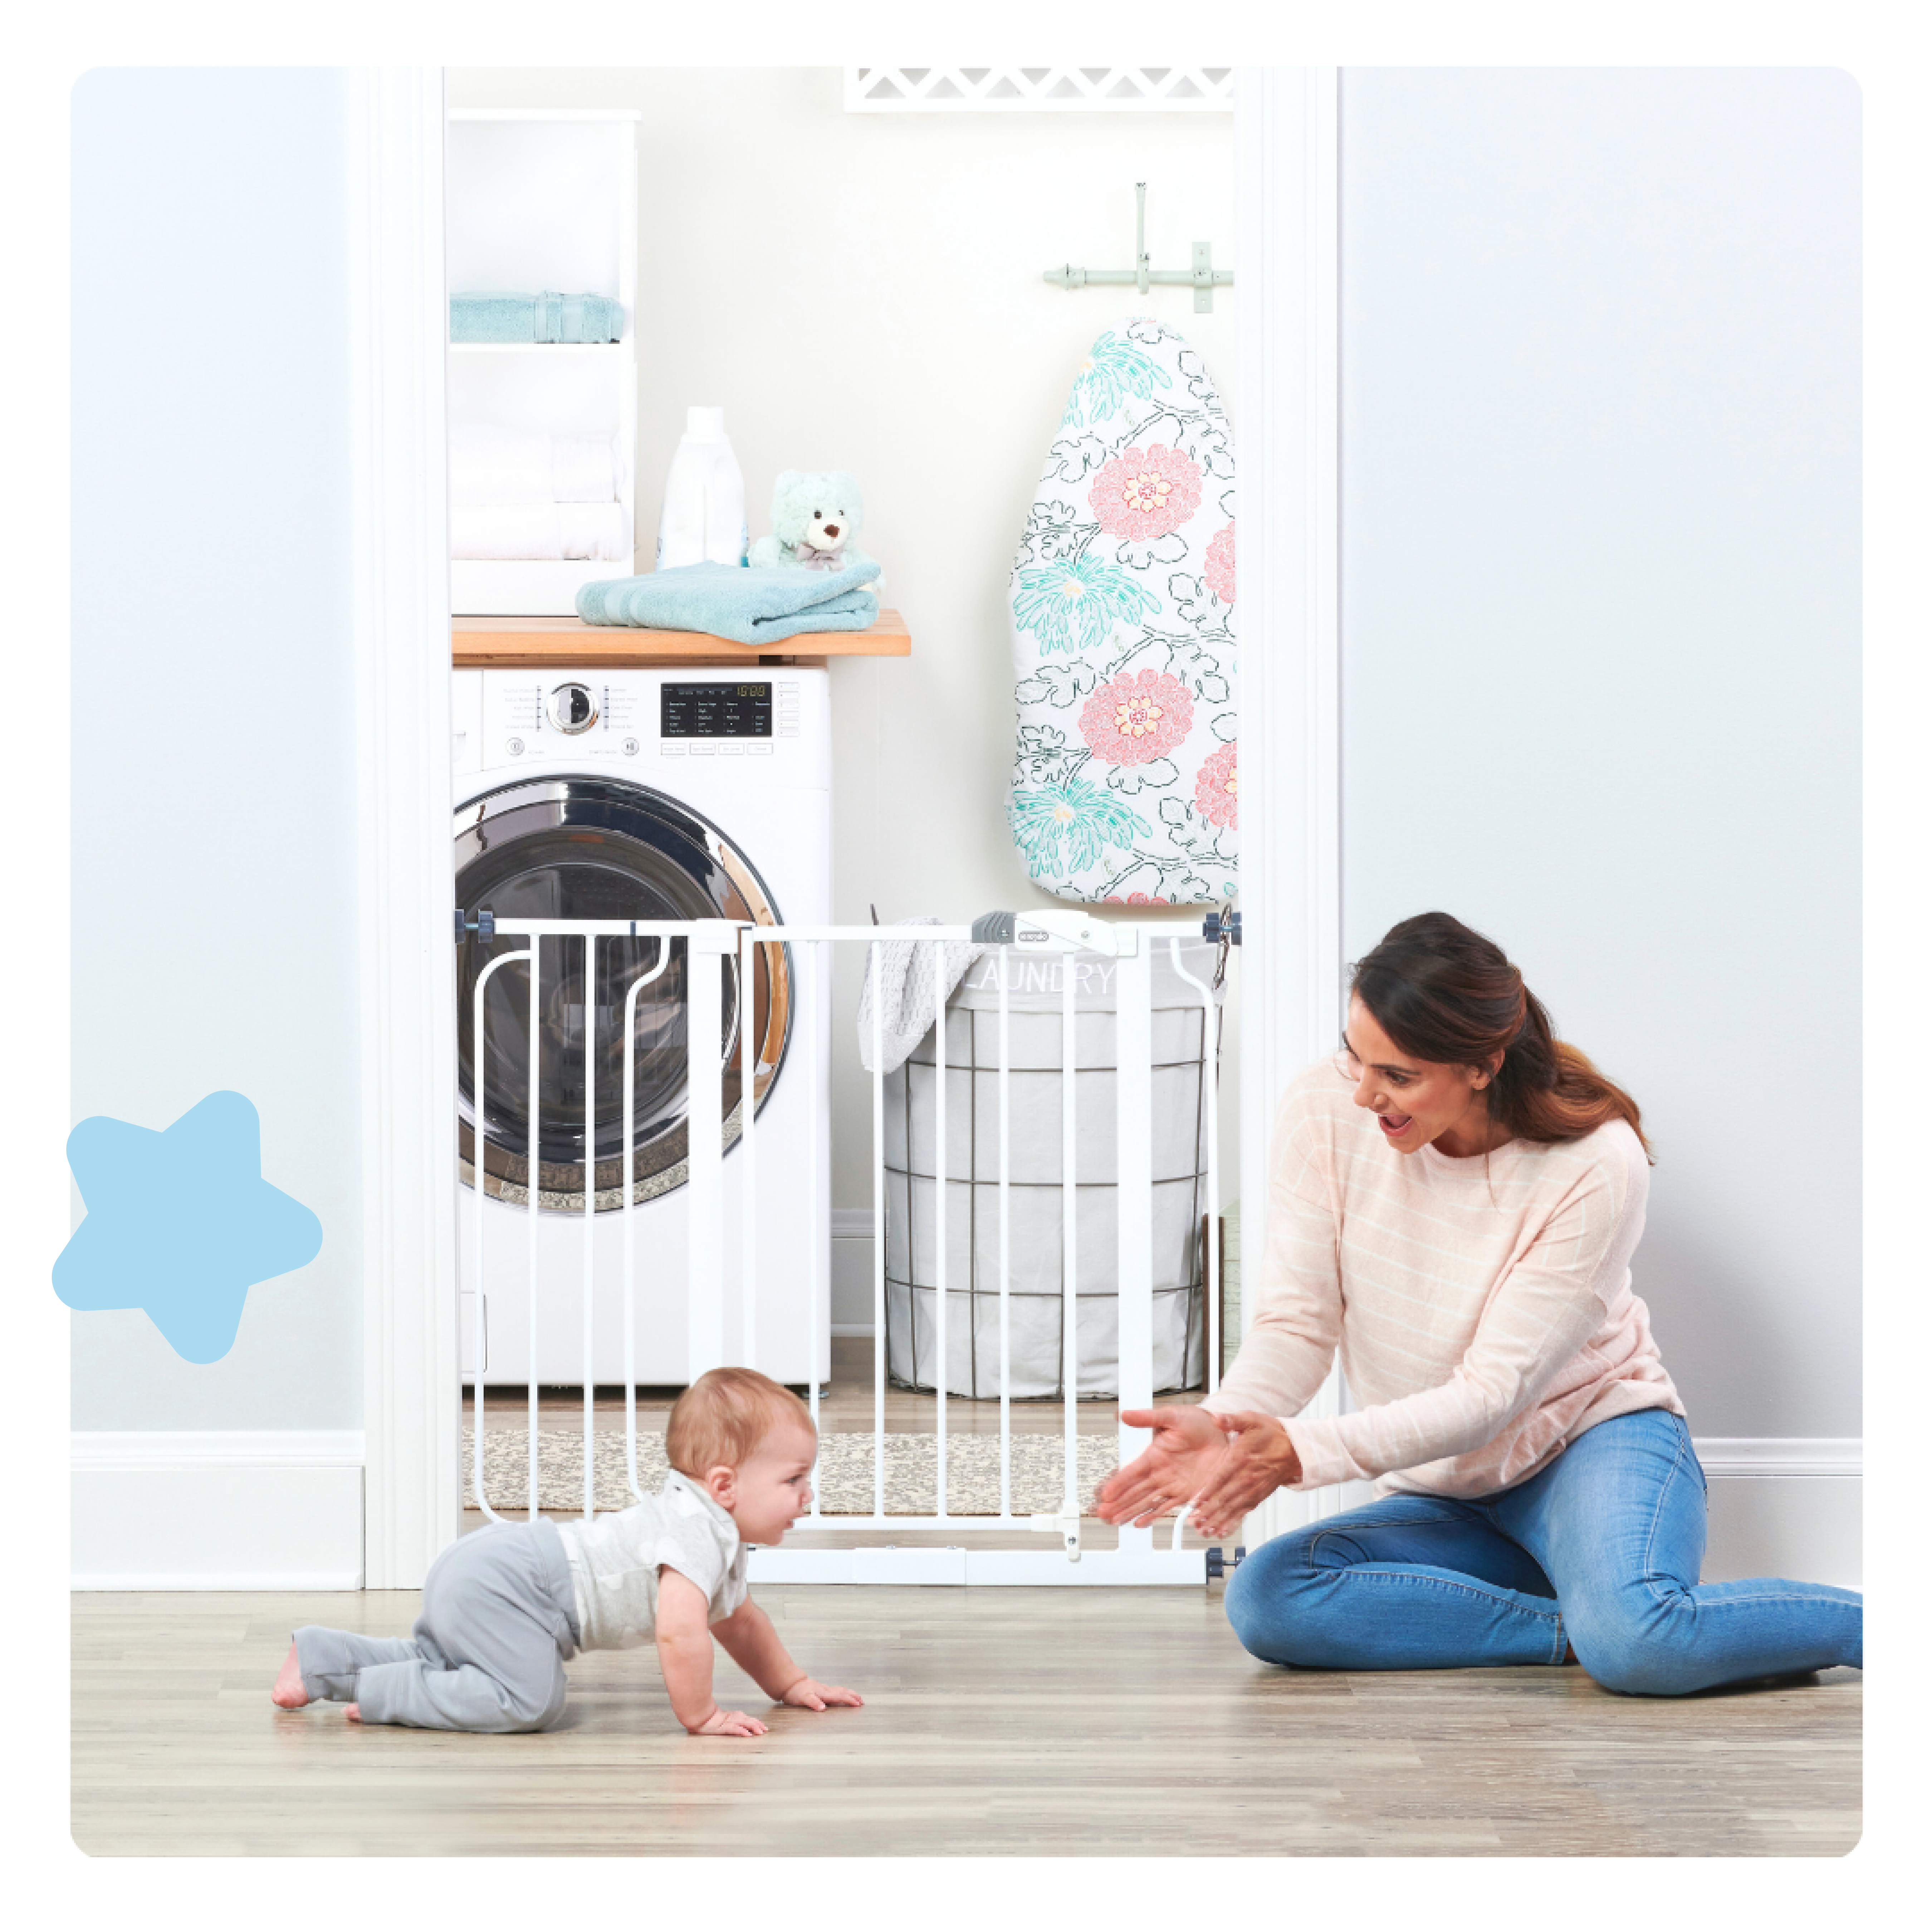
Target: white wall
214,804
1600,629
863,291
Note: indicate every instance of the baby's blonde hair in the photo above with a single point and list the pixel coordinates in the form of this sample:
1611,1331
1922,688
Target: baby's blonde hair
723,1417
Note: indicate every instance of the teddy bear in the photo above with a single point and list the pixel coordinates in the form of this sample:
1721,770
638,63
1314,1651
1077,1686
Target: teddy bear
815,515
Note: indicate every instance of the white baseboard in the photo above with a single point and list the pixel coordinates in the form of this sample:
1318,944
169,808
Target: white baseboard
216,1510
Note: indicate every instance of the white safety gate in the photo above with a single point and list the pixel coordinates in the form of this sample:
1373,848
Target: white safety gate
1143,1556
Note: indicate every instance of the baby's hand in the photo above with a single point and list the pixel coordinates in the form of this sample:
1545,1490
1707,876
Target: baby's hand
808,1694
729,1724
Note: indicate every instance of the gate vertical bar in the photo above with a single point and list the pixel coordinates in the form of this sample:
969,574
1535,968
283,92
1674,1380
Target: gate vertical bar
533,1174
1133,1089
815,1166
875,965
1210,1110
589,1224
637,986
943,1321
479,1170
709,944
1000,960
748,1115
629,1210
1070,1244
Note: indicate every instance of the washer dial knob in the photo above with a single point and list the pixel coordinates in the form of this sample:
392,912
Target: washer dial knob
573,708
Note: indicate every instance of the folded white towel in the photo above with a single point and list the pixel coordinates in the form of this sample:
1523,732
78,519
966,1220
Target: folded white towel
490,462
541,531
907,968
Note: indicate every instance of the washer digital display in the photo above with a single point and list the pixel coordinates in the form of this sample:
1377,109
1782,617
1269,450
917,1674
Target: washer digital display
716,710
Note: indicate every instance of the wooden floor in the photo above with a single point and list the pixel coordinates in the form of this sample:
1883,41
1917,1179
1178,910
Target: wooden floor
997,1721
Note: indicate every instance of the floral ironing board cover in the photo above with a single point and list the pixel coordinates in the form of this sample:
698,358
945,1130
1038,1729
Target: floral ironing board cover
1123,605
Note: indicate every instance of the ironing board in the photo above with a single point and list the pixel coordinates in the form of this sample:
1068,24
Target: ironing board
1123,609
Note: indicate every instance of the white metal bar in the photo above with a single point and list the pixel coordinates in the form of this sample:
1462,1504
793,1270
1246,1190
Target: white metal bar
814,1033
1006,1249
1211,1107
532,1174
478,1142
710,943
748,1114
939,1191
589,1224
1133,1194
1069,1246
875,966
1030,1568
637,985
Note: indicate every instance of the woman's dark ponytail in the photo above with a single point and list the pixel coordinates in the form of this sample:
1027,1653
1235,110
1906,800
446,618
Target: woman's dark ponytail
1444,993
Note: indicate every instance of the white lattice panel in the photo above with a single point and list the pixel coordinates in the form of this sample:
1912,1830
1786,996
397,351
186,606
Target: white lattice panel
1080,90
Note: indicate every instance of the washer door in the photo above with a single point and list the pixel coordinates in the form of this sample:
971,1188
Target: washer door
599,848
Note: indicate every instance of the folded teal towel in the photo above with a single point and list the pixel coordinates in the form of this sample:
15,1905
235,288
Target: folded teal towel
752,607
547,316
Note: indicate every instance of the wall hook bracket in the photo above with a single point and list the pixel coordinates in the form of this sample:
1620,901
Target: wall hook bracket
1204,278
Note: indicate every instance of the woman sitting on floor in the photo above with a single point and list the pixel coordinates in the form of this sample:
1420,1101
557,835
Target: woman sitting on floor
1454,1202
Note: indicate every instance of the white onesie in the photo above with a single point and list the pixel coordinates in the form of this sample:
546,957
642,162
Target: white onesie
614,1559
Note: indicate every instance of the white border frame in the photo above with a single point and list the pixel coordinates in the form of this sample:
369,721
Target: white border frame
412,1409
1286,143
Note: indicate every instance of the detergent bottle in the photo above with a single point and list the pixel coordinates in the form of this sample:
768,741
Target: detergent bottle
703,518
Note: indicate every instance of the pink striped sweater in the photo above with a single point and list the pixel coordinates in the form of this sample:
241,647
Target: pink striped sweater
1482,1307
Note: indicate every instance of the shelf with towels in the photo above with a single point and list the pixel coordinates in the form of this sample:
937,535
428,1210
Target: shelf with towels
492,644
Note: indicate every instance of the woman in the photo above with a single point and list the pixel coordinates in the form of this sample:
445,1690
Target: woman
1454,1202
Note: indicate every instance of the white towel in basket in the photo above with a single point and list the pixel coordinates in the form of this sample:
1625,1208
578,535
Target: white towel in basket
905,968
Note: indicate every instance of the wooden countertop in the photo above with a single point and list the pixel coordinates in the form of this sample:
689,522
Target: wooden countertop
492,644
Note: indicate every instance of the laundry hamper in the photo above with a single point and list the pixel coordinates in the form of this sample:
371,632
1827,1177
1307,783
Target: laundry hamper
1182,1039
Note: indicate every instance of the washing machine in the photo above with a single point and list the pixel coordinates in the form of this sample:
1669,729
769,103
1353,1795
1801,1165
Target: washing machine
657,794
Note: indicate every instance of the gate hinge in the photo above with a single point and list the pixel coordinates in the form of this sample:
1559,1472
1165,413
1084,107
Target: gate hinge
1219,1565
1225,926
484,925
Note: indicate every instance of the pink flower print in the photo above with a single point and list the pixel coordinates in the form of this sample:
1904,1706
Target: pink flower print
1135,720
1214,794
1220,566
1134,898
1146,492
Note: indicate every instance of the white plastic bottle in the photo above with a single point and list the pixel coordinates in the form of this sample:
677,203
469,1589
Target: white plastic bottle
703,518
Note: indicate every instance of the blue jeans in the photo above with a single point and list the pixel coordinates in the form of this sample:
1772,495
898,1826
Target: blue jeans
1599,1551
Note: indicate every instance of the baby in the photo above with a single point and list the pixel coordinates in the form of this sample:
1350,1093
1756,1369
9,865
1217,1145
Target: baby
503,1606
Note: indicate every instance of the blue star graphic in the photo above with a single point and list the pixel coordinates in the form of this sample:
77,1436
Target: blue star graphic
180,1222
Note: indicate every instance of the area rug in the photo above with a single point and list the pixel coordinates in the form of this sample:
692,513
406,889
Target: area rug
844,1480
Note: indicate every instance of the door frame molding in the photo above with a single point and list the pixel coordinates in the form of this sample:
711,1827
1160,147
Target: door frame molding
412,1407
1286,297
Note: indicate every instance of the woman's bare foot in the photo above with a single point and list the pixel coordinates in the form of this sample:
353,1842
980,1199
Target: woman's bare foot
353,1712
289,1691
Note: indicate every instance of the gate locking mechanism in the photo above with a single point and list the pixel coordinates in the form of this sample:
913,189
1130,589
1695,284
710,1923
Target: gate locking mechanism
484,924
1067,1527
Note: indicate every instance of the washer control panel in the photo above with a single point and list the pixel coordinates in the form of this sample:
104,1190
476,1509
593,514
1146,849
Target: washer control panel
776,723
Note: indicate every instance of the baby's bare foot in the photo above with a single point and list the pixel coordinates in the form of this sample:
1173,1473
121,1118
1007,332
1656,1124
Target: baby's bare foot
353,1712
289,1691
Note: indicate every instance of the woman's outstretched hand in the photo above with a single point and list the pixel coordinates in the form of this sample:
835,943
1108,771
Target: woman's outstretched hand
1187,1443
1259,1460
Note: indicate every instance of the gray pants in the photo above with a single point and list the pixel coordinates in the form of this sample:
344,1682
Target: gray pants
499,1617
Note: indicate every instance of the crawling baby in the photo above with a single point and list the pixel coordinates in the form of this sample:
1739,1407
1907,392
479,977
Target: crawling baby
505,1605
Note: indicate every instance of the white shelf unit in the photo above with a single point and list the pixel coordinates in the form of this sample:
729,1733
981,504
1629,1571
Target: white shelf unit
540,199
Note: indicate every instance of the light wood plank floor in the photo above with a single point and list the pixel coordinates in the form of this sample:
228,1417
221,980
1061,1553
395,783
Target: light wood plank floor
999,1721
1013,1721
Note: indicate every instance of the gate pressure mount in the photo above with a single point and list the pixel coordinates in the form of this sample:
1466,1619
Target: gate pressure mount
484,924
